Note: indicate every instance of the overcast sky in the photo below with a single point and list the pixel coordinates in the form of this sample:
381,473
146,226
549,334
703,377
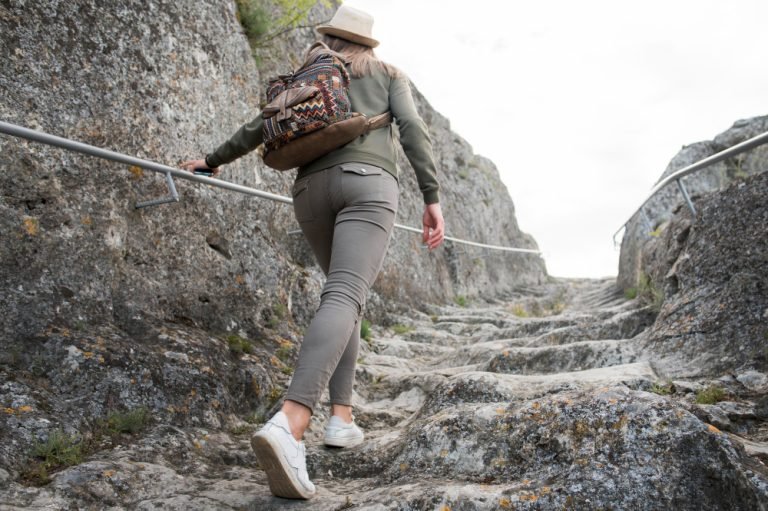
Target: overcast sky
581,105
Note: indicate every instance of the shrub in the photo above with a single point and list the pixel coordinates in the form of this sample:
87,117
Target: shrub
710,395
264,20
131,422
59,450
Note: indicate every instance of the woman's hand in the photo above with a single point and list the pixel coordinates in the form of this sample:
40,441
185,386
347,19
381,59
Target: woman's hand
434,226
191,165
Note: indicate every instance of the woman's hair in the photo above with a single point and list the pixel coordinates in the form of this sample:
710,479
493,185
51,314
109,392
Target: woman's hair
362,60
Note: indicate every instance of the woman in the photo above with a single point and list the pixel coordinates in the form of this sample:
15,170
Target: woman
345,203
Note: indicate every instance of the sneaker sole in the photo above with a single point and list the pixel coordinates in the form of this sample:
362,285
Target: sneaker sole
343,442
280,475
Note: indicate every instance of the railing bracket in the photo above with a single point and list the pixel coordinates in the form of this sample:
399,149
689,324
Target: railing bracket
173,197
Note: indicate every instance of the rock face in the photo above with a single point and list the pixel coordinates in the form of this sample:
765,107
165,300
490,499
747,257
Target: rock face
713,273
666,203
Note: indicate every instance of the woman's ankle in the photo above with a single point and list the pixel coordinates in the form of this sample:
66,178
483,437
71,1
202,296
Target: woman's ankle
298,418
344,412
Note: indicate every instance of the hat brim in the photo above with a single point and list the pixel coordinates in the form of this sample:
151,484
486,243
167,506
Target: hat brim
349,36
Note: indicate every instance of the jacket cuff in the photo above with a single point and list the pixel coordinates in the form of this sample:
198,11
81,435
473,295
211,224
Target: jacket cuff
211,161
431,197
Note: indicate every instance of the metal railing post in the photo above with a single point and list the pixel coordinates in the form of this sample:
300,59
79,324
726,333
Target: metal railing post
173,197
695,167
685,195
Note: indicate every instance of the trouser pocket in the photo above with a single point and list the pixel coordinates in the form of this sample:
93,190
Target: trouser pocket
302,205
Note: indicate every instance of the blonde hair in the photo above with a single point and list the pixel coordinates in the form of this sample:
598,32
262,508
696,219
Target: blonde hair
362,60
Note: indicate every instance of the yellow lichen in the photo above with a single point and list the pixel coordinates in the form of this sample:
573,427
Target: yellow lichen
25,409
712,429
108,473
504,503
136,171
31,225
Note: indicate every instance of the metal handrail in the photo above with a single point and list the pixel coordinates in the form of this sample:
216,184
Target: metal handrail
694,167
45,138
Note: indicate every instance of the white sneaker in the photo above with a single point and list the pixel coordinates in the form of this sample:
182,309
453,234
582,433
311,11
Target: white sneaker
283,459
340,434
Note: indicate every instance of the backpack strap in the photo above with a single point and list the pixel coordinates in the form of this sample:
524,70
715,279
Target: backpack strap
379,121
319,49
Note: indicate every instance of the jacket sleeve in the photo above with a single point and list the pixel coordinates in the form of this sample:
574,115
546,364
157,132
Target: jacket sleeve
245,140
414,137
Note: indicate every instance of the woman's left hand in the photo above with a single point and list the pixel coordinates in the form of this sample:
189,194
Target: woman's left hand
433,226
191,165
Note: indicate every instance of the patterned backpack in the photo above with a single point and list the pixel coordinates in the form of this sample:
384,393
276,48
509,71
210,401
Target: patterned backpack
309,114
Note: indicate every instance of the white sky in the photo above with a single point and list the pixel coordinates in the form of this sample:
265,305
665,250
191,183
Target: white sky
581,105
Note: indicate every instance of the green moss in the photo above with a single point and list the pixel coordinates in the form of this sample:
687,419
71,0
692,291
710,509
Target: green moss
285,352
461,301
710,395
401,329
519,311
238,345
274,396
365,330
663,389
240,430
256,418
649,293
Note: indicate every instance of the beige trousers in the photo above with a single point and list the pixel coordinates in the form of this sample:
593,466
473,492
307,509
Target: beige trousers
347,213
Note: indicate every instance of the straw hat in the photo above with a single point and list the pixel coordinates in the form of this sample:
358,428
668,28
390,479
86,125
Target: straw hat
351,24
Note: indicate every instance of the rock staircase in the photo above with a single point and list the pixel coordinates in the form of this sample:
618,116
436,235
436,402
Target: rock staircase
466,408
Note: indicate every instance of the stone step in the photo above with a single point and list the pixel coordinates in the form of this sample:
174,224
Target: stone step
444,386
576,356
487,387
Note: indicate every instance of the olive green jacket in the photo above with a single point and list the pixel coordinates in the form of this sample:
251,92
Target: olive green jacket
370,95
